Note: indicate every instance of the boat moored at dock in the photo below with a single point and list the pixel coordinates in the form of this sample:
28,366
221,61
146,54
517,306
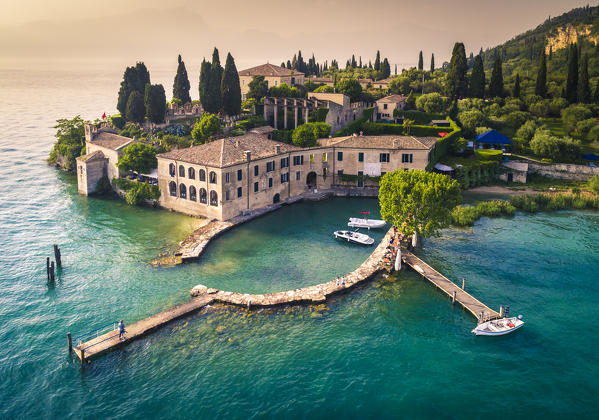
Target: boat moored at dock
355,237
499,326
366,223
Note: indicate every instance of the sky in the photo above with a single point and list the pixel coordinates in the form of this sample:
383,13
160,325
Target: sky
256,32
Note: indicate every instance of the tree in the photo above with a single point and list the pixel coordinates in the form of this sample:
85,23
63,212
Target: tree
138,157
258,88
572,79
307,134
420,61
351,88
596,95
432,63
215,102
134,79
385,69
325,89
136,109
541,85
430,102
496,83
155,103
70,141
205,73
410,101
230,88
584,85
516,91
181,84
457,83
418,202
477,79
545,145
377,61
208,126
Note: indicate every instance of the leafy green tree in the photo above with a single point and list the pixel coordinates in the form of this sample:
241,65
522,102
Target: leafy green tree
307,134
472,119
155,103
572,79
516,91
572,115
496,83
136,109
258,88
541,85
430,102
205,82
207,127
546,145
432,63
181,84
457,83
407,124
377,61
596,95
526,131
325,89
351,88
418,202
285,91
230,88
410,101
420,61
138,157
477,79
70,142
584,84
593,184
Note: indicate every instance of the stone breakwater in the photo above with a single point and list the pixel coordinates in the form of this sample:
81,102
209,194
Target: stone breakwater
312,294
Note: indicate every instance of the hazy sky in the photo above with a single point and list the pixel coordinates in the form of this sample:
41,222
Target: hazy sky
271,30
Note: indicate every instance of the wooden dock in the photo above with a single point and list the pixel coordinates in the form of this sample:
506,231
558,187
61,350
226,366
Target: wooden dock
481,311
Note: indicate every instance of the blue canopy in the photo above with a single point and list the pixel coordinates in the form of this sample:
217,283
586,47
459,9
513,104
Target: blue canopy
493,137
591,156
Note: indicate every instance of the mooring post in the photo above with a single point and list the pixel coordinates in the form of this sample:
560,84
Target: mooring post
453,297
463,283
70,341
501,311
48,267
52,271
82,353
57,256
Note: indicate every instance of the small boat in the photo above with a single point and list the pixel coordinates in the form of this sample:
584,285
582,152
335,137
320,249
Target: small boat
499,326
355,237
365,223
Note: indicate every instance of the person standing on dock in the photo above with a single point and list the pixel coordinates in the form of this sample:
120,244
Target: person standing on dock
121,330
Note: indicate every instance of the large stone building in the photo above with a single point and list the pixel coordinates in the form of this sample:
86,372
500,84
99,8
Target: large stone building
273,75
385,107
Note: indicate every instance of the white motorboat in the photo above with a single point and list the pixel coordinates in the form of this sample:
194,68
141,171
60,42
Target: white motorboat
499,326
365,223
355,237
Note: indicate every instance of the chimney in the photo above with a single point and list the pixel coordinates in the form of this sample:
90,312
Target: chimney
248,155
278,149
396,144
361,133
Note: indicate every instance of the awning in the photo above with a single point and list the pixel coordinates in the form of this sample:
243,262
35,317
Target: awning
444,168
591,156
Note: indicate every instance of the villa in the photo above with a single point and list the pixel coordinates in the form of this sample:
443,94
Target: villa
273,75
385,107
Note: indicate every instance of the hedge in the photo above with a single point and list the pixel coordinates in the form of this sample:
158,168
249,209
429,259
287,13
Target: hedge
488,154
477,174
443,144
282,136
467,215
374,129
418,117
118,121
355,126
355,178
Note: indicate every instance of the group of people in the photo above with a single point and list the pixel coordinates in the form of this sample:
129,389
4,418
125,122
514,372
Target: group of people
392,249
340,281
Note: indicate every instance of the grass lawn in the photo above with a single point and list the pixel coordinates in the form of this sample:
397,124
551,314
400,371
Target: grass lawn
554,125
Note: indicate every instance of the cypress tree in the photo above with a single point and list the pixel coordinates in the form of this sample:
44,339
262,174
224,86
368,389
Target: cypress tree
181,84
231,91
457,84
136,109
496,83
432,62
541,86
477,79
205,73
516,92
596,95
143,77
584,86
420,61
155,103
377,60
134,79
360,61
216,75
396,69
353,61
385,68
572,79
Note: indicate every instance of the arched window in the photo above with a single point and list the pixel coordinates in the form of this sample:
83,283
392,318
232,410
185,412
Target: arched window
172,187
213,177
171,169
192,193
202,175
213,198
191,173
182,171
182,191
203,196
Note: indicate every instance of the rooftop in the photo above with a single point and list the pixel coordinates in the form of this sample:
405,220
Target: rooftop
111,140
393,98
269,70
229,151
381,142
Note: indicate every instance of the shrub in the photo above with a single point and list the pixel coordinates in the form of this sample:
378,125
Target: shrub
137,192
467,215
307,134
138,157
573,114
593,184
526,131
208,126
585,126
118,121
545,145
282,136
488,154
470,120
430,102
103,186
515,119
325,89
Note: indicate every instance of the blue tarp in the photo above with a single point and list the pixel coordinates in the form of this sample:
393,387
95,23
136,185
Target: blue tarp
493,137
591,156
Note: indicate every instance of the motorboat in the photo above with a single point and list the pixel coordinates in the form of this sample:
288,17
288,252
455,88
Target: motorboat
356,222
355,237
499,326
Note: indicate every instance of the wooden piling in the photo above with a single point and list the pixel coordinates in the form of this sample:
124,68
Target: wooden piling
501,311
52,271
453,297
82,356
70,341
48,267
57,256
463,284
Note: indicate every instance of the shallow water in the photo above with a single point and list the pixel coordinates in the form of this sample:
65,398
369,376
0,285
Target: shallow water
393,348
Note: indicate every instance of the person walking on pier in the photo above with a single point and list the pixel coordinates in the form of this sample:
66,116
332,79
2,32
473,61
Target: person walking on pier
121,330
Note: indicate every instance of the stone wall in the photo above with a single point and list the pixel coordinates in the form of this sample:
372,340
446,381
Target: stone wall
564,171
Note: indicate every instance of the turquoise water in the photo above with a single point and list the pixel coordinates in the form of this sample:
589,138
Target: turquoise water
392,348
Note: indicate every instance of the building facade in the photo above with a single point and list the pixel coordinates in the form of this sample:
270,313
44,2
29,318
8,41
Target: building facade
273,75
385,107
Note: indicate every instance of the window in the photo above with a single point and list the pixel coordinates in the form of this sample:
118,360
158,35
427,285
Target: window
227,195
239,174
340,156
360,157
182,171
192,193
191,173
284,162
340,172
182,191
298,175
256,170
406,157
255,187
311,158
269,182
270,166
324,157
172,187
384,106
285,177
298,160
227,177
213,198
360,179
202,175
239,192
203,196
384,157
171,169
213,177
324,172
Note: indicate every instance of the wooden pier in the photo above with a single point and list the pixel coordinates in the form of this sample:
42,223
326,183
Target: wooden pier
481,311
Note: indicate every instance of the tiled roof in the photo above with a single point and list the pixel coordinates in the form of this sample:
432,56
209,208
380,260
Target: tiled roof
92,156
381,142
393,98
229,151
111,140
269,70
